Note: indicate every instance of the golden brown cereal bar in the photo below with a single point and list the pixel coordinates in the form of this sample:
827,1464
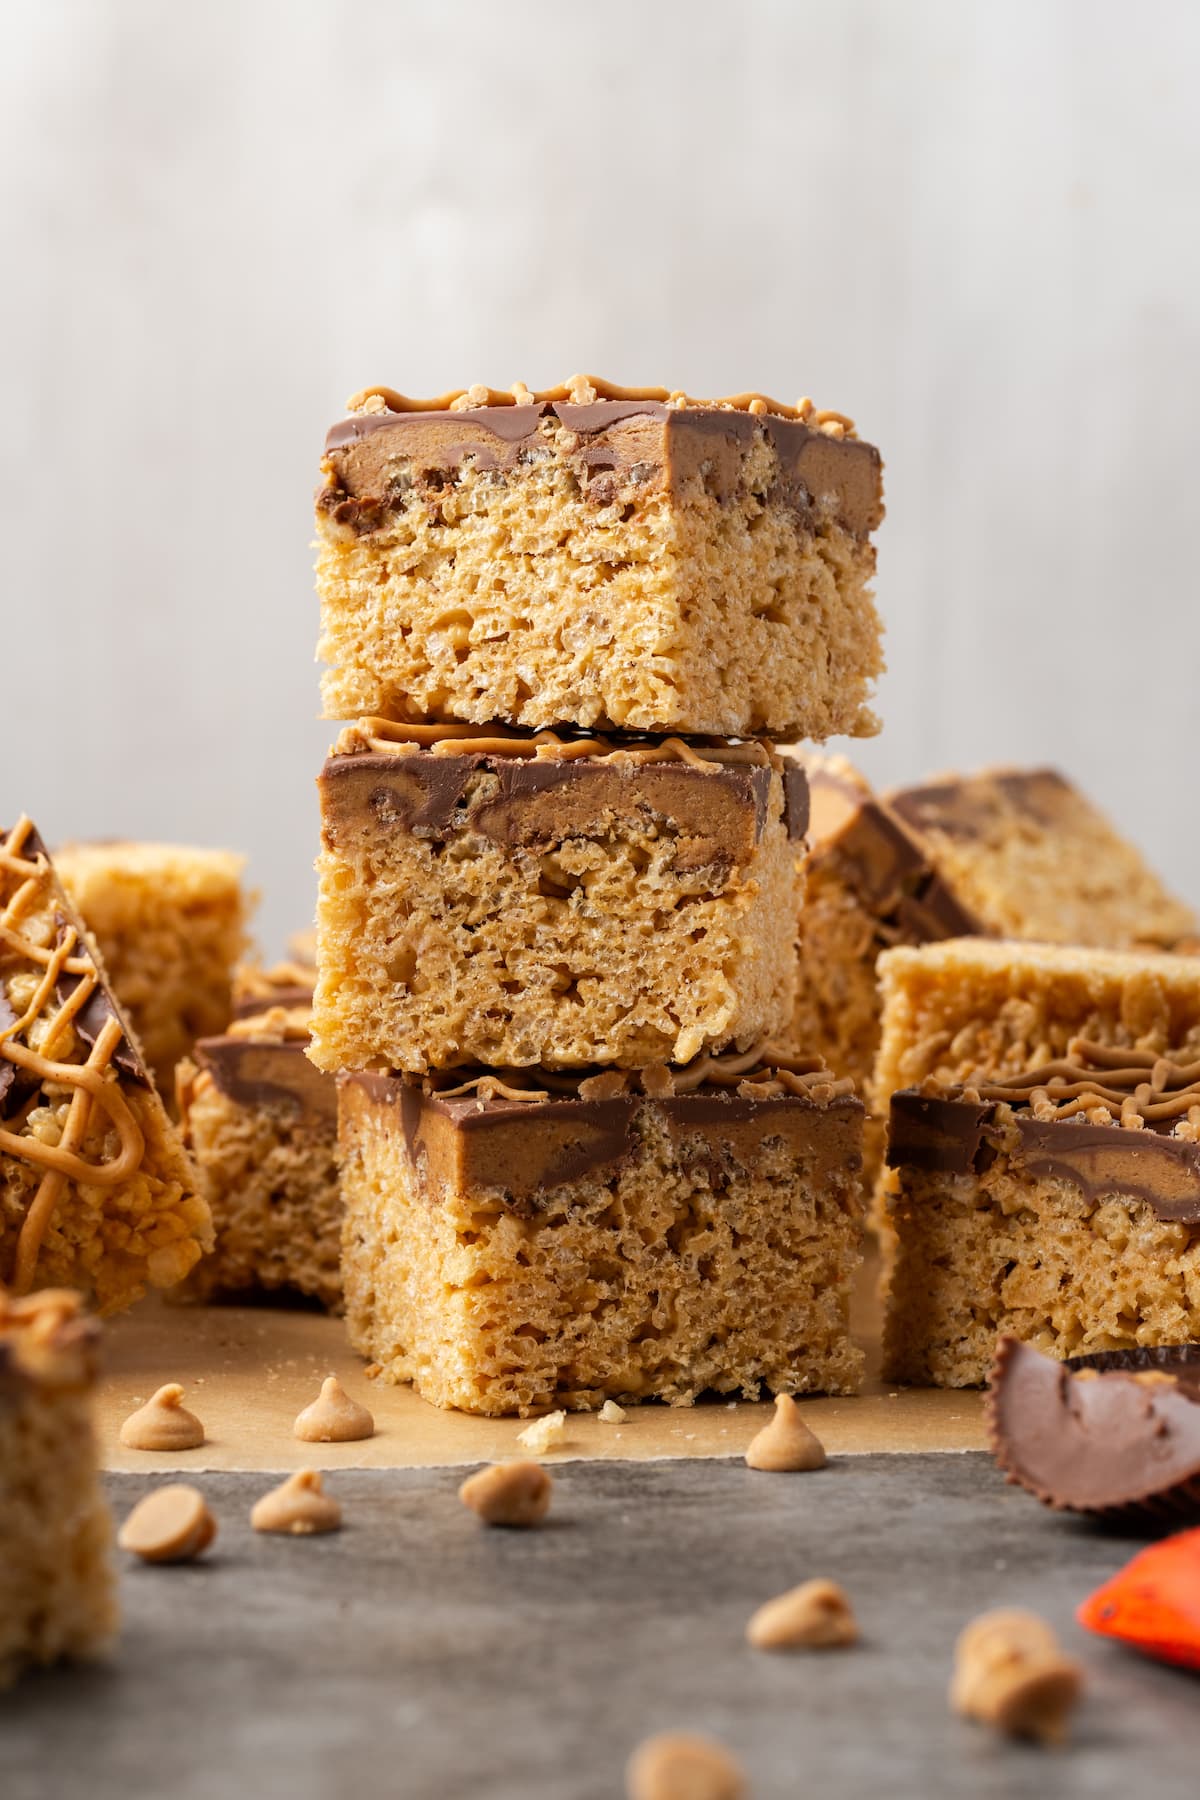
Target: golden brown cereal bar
57,1593
96,1191
498,898
591,555
511,1248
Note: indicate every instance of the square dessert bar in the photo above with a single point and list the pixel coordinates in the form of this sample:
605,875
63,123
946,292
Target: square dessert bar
261,1123
1031,857
57,1591
1061,1205
623,559
96,1191
507,900
509,1249
171,923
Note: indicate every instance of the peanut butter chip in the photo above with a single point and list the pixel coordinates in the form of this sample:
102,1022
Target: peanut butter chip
786,1445
333,1418
173,1524
677,1766
515,1493
814,1616
164,1423
1010,1673
298,1507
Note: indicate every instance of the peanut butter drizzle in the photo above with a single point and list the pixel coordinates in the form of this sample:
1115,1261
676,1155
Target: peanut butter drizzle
89,1080
382,736
585,390
1139,1087
762,1072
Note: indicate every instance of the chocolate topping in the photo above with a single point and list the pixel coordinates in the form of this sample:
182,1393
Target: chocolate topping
261,1073
717,813
526,1148
961,1136
630,443
883,863
1099,1434
89,1022
969,806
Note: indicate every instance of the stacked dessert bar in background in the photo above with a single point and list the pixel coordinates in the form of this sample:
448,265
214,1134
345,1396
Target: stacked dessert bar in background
561,869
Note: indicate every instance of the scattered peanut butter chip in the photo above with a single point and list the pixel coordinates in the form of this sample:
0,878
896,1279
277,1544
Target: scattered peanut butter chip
172,1524
786,1445
515,1493
679,1766
612,1414
164,1423
544,1434
298,1507
1010,1673
814,1616
333,1417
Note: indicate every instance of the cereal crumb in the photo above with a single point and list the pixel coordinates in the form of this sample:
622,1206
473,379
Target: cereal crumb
333,1417
679,1766
516,1493
1010,1673
544,1434
612,1414
172,1524
298,1507
164,1423
817,1615
786,1445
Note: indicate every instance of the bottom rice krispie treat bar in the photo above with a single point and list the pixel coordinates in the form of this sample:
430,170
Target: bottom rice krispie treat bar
96,1191
57,1593
510,1248
261,1124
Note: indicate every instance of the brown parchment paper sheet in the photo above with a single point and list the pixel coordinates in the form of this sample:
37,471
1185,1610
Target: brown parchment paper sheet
248,1371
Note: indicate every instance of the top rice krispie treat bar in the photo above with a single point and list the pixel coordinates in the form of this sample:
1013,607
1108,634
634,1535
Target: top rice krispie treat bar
614,558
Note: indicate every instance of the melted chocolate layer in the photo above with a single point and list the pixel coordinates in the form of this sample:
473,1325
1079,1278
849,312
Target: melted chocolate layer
1100,1434
961,1137
621,444
525,1150
717,814
262,1074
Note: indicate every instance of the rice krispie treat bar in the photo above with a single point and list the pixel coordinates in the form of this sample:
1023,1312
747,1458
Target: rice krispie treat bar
171,924
1032,857
511,1247
615,558
505,899
57,1592
1060,1204
261,1124
96,1191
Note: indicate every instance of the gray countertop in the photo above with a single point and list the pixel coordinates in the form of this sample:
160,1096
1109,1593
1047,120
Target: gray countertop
417,1654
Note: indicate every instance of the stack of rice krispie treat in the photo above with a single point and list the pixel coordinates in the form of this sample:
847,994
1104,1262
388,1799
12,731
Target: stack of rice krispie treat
560,872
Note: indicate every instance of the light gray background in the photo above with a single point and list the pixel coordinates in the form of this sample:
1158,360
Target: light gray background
973,226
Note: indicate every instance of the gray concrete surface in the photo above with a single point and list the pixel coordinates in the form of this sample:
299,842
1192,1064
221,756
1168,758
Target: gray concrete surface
416,1654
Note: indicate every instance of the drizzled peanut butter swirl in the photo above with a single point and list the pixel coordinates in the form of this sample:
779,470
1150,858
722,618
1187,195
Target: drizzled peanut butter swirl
384,737
585,390
761,1073
28,892
1106,1084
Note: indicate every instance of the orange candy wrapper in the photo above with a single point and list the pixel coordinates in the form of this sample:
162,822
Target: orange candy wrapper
1153,1604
